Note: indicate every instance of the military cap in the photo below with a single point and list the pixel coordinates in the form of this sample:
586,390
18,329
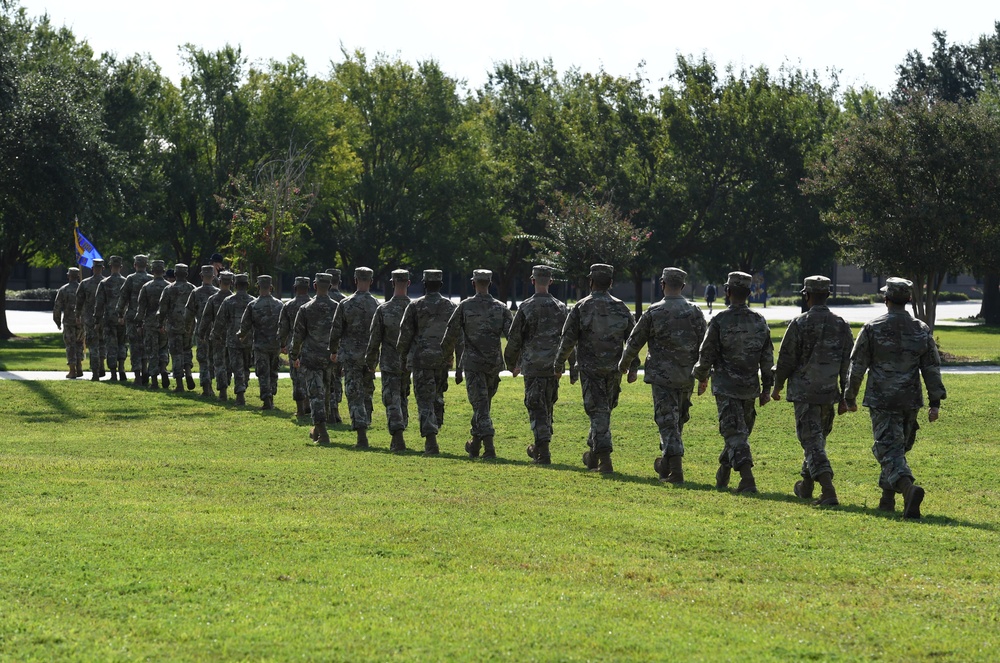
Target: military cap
115,261
335,273
816,284
400,275
140,259
73,271
242,279
674,276
482,275
896,287
301,281
98,262
157,265
541,271
324,277
207,270
226,277
170,273
433,275
600,269
739,280
363,274
264,281
216,257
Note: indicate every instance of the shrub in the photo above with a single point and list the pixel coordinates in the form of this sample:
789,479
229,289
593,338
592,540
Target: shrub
35,293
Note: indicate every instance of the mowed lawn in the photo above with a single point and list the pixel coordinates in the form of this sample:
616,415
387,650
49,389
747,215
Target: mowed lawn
143,524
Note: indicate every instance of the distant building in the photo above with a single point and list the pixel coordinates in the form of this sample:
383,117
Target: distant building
853,280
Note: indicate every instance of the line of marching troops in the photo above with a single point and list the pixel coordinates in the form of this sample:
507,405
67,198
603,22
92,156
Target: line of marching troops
414,344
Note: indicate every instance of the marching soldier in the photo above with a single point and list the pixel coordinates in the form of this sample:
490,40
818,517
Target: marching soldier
154,348
194,307
286,322
382,354
261,320
64,314
86,306
335,387
106,312
348,345
172,319
127,307
216,348
310,352
225,330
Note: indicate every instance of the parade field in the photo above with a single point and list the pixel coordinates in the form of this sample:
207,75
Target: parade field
155,525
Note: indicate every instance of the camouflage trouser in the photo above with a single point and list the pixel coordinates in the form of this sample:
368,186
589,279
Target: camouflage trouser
154,349
206,369
180,353
481,387
600,397
395,394
334,387
266,363
136,345
298,384
73,338
314,383
114,345
223,376
894,431
671,410
812,424
239,361
359,383
429,385
540,395
736,419
95,346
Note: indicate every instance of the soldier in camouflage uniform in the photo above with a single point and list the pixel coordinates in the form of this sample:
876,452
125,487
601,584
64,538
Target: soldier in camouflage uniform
86,306
193,309
673,328
310,352
261,320
216,349
421,330
348,347
814,357
598,326
64,314
106,311
335,387
127,307
479,322
225,330
896,351
382,354
154,349
737,352
531,349
172,319
286,322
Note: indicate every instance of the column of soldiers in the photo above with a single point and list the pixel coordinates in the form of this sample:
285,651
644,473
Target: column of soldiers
818,360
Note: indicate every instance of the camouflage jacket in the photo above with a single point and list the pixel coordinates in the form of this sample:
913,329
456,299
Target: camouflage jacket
86,300
384,335
597,327
336,295
311,332
195,306
737,352
173,306
149,302
128,298
351,325
673,328
227,321
534,335
106,307
64,309
286,321
422,330
896,349
479,322
814,357
211,311
261,318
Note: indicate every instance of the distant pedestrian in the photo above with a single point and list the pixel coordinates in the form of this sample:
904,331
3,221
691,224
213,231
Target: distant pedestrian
710,293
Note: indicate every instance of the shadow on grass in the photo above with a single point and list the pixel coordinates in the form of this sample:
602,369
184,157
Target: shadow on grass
61,405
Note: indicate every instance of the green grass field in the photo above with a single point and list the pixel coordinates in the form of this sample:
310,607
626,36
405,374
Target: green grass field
153,525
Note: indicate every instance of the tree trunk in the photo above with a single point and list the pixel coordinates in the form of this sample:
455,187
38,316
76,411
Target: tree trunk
637,278
5,270
990,310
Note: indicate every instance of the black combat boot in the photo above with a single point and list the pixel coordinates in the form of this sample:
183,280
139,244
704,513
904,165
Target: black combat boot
804,488
241,399
675,470
153,384
165,379
121,376
913,495
828,497
472,446
95,376
431,445
603,463
489,451
206,390
322,436
222,394
300,408
540,452
397,444
590,460
888,501
748,484
335,415
190,379
362,442
268,403
179,387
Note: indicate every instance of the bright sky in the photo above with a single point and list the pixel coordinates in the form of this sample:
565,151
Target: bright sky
865,39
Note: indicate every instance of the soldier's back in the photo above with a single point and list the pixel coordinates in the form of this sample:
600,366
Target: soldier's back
676,330
605,323
431,313
543,319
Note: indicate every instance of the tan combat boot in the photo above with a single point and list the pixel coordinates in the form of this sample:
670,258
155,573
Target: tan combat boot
675,470
472,446
431,445
748,484
804,488
362,442
397,444
913,495
489,451
829,496
603,463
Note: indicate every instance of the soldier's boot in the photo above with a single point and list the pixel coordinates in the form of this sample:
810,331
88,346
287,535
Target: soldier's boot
397,444
207,391
675,470
153,384
241,399
828,496
300,408
541,452
189,378
748,484
362,442
489,451
472,446
95,376
313,435
114,375
121,375
913,495
307,407
804,488
888,501
322,434
79,369
96,371
71,375
179,386
165,379
140,379
335,415
722,477
590,460
431,445
603,463
268,403
222,394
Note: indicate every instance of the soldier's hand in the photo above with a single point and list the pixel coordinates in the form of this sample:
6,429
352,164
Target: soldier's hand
58,325
450,362
333,357
298,363
458,376
622,367
933,413
852,407
515,371
163,330
573,376
284,349
842,407
775,394
633,375
765,398
702,386
121,321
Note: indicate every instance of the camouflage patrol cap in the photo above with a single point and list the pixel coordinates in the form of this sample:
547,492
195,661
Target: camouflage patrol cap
433,276
141,260
363,274
242,279
301,281
897,288
181,270
207,270
600,269
324,278
216,257
264,281
157,266
816,284
400,275
482,275
739,280
98,262
335,273
115,261
674,276
541,272
73,272
226,277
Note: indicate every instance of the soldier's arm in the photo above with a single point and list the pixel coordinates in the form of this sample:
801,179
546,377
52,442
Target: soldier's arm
220,323
707,356
570,336
930,369
407,330
847,342
372,353
508,320
57,308
636,340
788,358
81,298
337,329
452,332
861,357
99,295
163,310
515,337
140,314
246,324
298,335
284,328
123,298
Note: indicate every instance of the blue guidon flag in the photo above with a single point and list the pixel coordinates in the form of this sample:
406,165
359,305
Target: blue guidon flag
86,254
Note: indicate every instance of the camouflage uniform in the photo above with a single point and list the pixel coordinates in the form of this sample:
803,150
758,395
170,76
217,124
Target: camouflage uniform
382,354
154,349
738,353
64,314
479,321
216,349
311,347
896,351
285,323
173,317
531,348
128,306
194,308
597,326
335,376
225,330
422,330
261,318
349,341
106,310
86,305
673,328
